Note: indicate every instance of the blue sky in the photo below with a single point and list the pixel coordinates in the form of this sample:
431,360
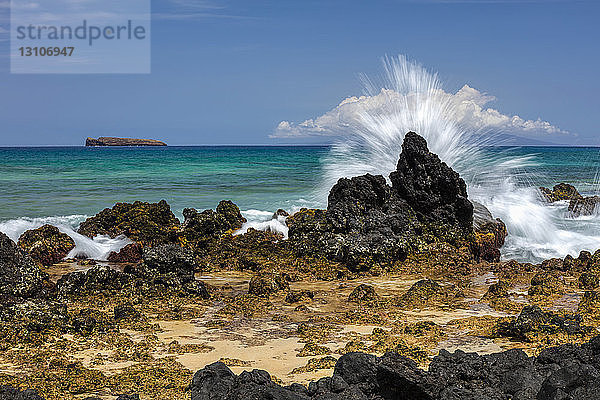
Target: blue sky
228,72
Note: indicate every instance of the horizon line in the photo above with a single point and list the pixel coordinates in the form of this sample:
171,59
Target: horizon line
262,145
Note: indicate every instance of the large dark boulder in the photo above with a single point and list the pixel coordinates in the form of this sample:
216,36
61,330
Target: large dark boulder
172,267
469,376
217,382
46,244
367,221
433,189
146,223
370,222
20,276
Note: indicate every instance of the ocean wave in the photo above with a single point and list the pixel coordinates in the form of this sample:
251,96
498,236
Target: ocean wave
97,248
264,221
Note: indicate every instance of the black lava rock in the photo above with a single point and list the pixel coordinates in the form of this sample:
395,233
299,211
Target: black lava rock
20,276
564,372
369,222
10,393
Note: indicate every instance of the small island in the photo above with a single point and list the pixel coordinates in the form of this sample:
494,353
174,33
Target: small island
113,141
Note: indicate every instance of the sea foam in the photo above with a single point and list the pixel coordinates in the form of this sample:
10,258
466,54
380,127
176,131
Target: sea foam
263,221
411,99
97,248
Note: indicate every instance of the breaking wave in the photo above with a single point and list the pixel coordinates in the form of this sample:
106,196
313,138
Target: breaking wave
411,98
97,248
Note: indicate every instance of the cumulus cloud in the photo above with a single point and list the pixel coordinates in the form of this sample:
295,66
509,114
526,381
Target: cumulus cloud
467,107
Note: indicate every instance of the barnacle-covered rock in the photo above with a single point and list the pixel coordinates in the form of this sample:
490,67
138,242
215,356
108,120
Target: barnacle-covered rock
146,223
46,244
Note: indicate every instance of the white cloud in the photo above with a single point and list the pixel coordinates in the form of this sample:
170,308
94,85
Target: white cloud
467,108
193,10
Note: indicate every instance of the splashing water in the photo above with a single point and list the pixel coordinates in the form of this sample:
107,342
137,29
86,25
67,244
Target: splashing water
410,98
263,221
97,248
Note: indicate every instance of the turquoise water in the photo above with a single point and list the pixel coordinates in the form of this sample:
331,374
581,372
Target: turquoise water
62,186
41,182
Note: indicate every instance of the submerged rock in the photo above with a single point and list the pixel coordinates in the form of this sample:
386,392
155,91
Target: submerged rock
562,191
46,244
20,276
585,206
146,223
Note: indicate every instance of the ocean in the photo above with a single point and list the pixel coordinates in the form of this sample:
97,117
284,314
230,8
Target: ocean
64,185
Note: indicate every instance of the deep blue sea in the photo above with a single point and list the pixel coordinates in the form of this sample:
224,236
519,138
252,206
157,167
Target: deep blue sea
65,184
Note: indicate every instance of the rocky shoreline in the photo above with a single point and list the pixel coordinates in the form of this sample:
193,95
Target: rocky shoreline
358,300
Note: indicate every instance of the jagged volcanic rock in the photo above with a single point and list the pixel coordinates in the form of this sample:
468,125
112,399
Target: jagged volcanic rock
367,221
564,372
533,320
584,206
132,253
46,244
20,276
96,279
265,284
200,228
433,189
490,233
562,191
146,223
